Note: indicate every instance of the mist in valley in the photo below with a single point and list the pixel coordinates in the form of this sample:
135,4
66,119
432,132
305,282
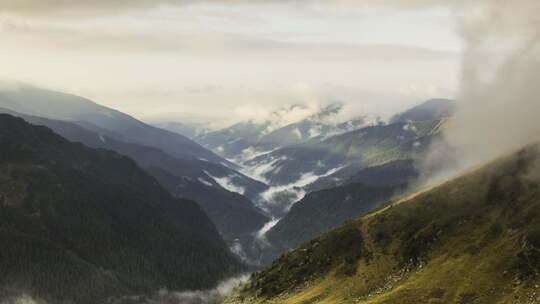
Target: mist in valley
497,111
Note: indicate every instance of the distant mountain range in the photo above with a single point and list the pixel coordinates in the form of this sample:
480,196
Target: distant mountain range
320,152
99,207
257,203
82,225
319,184
56,105
188,130
298,169
431,109
243,141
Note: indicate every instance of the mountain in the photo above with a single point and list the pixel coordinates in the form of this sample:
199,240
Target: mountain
240,141
235,215
188,130
429,110
206,183
474,239
298,169
82,225
321,211
367,146
55,105
246,140
187,163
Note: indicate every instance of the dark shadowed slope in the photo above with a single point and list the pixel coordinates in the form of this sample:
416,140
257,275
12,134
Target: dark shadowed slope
81,225
474,239
321,211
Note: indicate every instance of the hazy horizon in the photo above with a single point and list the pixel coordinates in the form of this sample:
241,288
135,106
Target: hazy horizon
227,62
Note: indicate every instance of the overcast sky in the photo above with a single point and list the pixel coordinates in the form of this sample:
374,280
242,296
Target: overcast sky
229,60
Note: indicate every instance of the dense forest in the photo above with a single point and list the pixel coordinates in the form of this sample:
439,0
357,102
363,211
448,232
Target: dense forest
79,225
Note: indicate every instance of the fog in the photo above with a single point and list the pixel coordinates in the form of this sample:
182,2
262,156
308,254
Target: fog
212,296
498,106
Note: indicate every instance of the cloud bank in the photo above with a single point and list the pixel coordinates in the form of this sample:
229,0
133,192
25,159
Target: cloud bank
213,296
166,60
83,7
499,99
104,6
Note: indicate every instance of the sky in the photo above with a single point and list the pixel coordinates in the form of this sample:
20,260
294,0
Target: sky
183,60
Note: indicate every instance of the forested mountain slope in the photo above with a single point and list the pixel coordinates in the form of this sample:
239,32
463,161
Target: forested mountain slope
79,225
234,214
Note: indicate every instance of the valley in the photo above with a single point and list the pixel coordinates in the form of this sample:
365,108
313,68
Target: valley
246,199
269,152
348,217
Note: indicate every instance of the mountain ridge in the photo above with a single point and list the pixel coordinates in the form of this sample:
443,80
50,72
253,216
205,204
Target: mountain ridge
61,106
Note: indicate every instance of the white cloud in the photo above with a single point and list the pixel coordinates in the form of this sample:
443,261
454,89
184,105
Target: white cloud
227,182
261,234
170,60
212,296
294,190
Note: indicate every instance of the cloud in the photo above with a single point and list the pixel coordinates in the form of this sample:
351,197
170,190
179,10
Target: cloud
21,299
212,296
498,103
187,41
170,60
78,6
89,8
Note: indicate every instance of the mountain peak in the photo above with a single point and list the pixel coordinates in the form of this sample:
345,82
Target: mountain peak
428,110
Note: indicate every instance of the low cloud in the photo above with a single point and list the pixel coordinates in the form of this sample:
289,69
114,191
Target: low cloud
498,103
213,296
175,60
21,299
83,7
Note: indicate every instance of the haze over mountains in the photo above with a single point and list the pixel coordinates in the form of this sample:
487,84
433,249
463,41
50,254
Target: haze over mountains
370,163
294,155
243,204
284,152
246,213
244,140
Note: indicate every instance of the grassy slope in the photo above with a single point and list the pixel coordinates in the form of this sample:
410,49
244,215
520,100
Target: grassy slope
475,239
